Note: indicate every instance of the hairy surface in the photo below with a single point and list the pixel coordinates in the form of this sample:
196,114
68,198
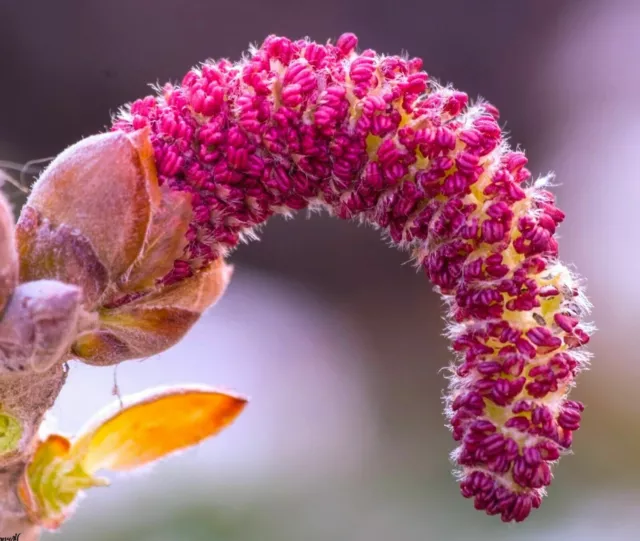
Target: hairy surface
297,124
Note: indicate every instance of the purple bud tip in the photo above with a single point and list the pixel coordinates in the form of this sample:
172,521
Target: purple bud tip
369,137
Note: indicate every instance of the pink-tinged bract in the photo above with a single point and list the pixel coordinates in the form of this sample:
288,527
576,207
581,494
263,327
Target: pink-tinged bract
296,124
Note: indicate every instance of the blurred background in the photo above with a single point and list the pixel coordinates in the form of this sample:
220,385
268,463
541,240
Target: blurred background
335,338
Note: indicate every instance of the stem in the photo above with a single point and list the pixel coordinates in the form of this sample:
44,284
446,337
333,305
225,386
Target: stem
28,397
13,519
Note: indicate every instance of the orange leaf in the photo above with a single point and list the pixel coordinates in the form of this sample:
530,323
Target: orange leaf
154,426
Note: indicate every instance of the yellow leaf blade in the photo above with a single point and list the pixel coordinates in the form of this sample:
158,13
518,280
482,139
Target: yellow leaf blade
155,426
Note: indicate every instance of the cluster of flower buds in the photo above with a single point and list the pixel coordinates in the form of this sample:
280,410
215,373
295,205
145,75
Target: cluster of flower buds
190,172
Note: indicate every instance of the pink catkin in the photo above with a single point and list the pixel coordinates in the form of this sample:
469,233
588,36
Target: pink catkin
297,124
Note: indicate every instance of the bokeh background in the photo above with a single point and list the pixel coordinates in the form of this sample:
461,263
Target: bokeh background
336,339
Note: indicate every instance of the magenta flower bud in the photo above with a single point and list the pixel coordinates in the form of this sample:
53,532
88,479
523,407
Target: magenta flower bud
368,137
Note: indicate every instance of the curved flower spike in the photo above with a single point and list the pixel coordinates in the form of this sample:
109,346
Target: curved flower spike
150,427
298,124
200,166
